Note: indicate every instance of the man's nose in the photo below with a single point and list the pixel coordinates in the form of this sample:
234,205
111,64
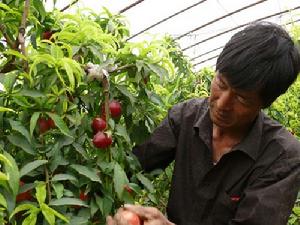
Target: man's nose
225,101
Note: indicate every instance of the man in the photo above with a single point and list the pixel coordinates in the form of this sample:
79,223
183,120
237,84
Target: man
233,164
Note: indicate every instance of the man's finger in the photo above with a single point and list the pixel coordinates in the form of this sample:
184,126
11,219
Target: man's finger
144,212
110,221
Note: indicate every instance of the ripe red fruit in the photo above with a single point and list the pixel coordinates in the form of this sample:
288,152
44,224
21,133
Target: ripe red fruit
131,217
83,196
51,123
43,125
115,109
101,140
98,124
24,195
47,35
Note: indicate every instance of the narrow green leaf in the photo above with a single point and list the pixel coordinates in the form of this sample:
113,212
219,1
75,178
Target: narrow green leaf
9,80
17,126
120,180
4,109
3,176
5,160
3,201
15,53
59,189
31,93
55,213
56,51
23,207
145,181
34,118
125,92
67,201
48,215
31,166
60,124
22,143
121,130
13,173
87,172
69,72
40,192
31,219
63,176
105,204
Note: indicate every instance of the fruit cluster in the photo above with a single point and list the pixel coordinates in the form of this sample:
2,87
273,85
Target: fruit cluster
45,124
101,139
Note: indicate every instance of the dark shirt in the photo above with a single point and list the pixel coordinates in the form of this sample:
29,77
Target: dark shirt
254,184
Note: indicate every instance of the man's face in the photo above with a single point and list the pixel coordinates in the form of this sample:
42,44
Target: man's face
231,108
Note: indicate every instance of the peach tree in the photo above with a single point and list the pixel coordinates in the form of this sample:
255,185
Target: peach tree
75,97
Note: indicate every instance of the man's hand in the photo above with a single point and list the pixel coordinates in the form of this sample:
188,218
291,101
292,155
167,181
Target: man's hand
148,216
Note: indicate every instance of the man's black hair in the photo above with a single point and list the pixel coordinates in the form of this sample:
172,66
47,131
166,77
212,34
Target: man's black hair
261,57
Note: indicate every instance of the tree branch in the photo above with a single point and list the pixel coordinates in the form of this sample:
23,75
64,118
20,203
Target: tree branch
9,42
68,6
21,35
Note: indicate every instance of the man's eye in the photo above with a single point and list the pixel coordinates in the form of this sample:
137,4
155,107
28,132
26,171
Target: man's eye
243,100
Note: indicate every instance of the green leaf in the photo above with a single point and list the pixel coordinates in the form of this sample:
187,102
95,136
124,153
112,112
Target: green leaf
23,207
40,192
21,142
125,92
3,201
60,124
17,126
87,172
31,166
59,189
15,53
105,204
121,130
3,176
145,181
54,212
296,210
5,160
67,201
56,52
4,109
69,72
120,180
31,93
34,118
22,101
48,215
80,150
63,176
31,219
38,5
155,98
13,173
9,80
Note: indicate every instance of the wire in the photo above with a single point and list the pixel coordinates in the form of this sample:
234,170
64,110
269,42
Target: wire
220,18
213,57
192,59
165,19
237,27
130,6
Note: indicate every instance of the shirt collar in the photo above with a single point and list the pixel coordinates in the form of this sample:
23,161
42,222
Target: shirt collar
250,143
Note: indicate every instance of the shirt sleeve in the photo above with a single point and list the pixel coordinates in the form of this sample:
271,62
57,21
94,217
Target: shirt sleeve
271,197
159,150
